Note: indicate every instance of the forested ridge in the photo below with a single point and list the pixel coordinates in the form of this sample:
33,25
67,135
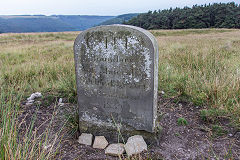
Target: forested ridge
217,15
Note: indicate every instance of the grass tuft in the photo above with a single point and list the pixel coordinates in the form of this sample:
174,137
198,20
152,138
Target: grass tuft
182,121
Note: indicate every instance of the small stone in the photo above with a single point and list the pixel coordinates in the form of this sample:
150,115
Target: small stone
28,104
46,147
115,149
100,142
135,145
86,139
30,101
34,95
60,100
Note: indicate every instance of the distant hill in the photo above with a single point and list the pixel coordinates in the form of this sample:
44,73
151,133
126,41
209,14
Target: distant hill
119,19
54,23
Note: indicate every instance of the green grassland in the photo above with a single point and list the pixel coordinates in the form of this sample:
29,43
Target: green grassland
200,66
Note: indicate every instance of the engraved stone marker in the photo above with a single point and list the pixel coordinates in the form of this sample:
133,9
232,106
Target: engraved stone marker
117,77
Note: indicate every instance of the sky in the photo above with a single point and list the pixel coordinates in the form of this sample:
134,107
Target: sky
93,7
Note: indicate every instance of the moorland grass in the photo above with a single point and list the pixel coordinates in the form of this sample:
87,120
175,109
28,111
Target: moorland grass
183,32
31,62
201,66
204,69
13,146
42,64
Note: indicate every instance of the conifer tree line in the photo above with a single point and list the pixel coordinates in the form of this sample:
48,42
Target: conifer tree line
217,15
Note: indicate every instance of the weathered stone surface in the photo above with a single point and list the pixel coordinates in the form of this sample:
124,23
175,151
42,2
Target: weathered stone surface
115,149
86,139
135,145
100,142
116,73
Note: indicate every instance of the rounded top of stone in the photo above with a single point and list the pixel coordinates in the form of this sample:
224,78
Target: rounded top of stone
118,27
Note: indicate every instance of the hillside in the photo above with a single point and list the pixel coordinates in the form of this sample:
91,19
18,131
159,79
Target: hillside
119,19
216,15
54,23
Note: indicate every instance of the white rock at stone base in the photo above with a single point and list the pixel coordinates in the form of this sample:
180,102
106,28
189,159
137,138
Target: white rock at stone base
85,139
28,104
46,147
115,149
30,101
60,100
135,145
34,95
100,142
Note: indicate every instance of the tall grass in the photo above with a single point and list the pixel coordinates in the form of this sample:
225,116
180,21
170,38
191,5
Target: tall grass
29,63
8,133
43,64
29,144
203,68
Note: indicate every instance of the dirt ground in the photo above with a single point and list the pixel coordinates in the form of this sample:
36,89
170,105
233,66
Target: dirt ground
196,139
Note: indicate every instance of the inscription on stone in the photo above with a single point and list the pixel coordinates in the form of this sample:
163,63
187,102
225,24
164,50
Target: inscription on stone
116,73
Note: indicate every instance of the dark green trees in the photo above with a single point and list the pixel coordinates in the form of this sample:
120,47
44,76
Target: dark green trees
217,15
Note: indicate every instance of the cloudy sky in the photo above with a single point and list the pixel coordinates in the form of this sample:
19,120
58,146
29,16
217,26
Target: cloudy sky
93,7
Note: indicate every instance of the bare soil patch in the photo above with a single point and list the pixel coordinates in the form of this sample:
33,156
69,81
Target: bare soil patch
195,140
